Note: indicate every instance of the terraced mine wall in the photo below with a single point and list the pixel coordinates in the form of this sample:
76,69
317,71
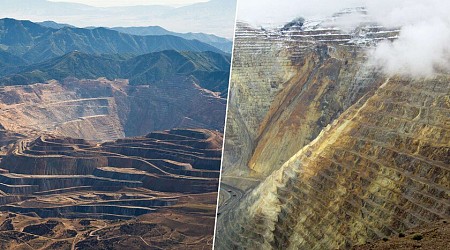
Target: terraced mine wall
310,101
105,110
105,210
313,86
65,177
196,161
255,58
53,165
376,171
344,155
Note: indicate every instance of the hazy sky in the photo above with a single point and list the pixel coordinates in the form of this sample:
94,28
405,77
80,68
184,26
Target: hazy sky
264,12
213,17
110,3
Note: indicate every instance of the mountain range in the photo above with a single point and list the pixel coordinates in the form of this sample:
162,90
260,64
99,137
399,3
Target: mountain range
86,87
35,43
216,41
30,53
210,69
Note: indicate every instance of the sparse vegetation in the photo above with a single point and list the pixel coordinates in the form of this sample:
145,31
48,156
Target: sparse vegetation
417,237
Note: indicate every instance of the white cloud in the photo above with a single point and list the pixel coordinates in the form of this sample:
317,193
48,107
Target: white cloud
421,50
423,46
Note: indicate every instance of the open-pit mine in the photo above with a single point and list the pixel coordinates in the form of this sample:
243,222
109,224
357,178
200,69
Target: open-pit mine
324,151
109,139
88,164
158,190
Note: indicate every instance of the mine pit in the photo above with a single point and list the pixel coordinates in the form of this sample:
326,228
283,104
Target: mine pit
109,153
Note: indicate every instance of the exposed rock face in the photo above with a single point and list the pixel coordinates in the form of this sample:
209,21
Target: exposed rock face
256,58
107,110
286,88
172,171
342,154
161,161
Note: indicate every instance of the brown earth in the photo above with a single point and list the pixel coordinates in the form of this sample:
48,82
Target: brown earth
428,237
180,227
103,110
152,192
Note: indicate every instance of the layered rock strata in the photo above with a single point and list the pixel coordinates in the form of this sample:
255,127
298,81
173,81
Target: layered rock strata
53,177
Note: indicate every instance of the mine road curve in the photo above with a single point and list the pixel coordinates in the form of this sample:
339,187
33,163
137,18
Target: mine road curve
231,203
235,196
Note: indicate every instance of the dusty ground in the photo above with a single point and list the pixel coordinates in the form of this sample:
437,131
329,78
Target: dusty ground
138,201
431,237
188,225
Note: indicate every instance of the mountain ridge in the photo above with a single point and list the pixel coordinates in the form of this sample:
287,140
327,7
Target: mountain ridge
35,43
216,41
209,68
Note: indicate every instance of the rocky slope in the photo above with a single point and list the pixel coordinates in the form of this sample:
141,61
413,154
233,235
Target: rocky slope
333,153
106,110
60,193
287,87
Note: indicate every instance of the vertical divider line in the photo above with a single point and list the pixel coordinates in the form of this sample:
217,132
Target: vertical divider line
225,123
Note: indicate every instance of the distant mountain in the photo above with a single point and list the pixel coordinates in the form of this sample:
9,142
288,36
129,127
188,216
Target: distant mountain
218,42
209,68
212,17
55,25
35,43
